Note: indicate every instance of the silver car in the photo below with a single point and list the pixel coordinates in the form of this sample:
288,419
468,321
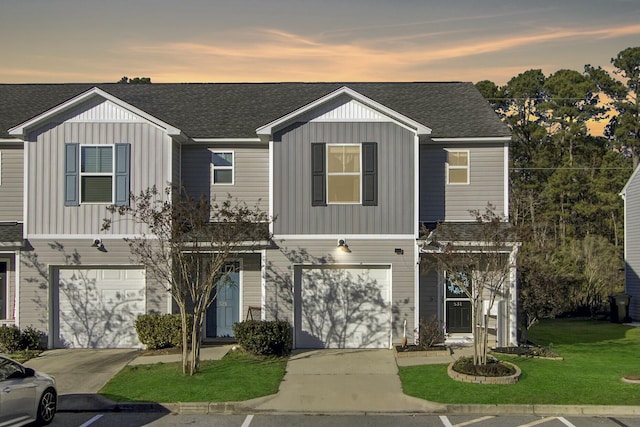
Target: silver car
26,396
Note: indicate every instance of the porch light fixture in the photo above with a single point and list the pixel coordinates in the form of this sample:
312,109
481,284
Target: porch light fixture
97,243
342,245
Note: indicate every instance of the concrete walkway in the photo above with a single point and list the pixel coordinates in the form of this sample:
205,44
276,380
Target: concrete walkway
82,371
331,381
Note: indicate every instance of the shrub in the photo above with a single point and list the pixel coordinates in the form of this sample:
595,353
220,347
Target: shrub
269,338
9,339
12,339
158,331
430,333
31,339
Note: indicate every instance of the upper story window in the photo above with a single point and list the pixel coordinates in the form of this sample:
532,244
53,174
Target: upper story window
343,173
457,166
222,163
96,174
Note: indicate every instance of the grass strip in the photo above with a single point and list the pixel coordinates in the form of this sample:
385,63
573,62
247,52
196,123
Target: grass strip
596,356
236,377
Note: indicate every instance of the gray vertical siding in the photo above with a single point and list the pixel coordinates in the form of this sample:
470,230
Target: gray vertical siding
11,183
429,294
394,213
35,303
251,284
150,159
442,202
176,162
632,245
251,180
279,274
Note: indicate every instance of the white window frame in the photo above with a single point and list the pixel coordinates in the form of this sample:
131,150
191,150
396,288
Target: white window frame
467,167
232,168
359,174
111,174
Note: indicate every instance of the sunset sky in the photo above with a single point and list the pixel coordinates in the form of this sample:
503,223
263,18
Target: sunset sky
53,41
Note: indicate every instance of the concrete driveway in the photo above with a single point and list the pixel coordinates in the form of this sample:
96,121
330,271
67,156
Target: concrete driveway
82,371
325,381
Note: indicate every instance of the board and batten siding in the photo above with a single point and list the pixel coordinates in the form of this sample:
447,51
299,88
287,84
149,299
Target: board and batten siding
47,214
632,245
440,201
279,274
394,213
251,284
251,173
11,183
35,289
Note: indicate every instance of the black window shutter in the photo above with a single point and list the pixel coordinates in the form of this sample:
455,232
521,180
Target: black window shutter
318,174
370,174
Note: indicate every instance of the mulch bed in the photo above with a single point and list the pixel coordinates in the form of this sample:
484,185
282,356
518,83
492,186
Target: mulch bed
493,368
528,351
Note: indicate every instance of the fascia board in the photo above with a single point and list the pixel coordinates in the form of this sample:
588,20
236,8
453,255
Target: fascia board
20,130
470,139
268,129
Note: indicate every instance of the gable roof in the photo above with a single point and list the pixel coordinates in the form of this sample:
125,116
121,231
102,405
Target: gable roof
269,128
91,93
635,173
236,110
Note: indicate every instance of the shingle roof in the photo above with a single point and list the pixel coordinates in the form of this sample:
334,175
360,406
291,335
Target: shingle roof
236,110
469,231
10,235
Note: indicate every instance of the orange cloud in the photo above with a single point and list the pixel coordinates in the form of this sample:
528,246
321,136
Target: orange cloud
277,55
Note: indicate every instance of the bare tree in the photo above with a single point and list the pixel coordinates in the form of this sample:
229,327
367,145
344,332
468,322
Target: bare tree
479,264
184,244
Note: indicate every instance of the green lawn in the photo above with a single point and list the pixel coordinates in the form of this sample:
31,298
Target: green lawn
236,377
596,356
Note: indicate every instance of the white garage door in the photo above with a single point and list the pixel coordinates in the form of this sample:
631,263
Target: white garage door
343,307
98,307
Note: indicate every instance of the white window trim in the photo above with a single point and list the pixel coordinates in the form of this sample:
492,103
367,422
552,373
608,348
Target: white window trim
468,167
111,174
337,144
232,168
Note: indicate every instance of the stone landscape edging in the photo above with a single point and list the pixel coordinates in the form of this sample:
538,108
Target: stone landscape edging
479,379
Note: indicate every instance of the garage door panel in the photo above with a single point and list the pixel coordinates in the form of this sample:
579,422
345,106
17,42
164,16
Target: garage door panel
98,308
344,308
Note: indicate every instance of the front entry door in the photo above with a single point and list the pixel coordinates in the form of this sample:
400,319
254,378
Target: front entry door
457,304
225,310
3,290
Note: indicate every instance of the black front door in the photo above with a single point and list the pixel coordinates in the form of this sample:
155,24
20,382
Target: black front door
458,316
3,290
457,304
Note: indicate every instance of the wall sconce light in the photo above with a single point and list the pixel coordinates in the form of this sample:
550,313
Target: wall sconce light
399,251
342,245
97,243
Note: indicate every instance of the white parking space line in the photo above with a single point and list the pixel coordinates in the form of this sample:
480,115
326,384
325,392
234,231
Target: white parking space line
92,420
535,423
247,421
445,421
565,422
477,420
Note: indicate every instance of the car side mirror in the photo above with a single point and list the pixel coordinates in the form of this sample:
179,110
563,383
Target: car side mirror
28,372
